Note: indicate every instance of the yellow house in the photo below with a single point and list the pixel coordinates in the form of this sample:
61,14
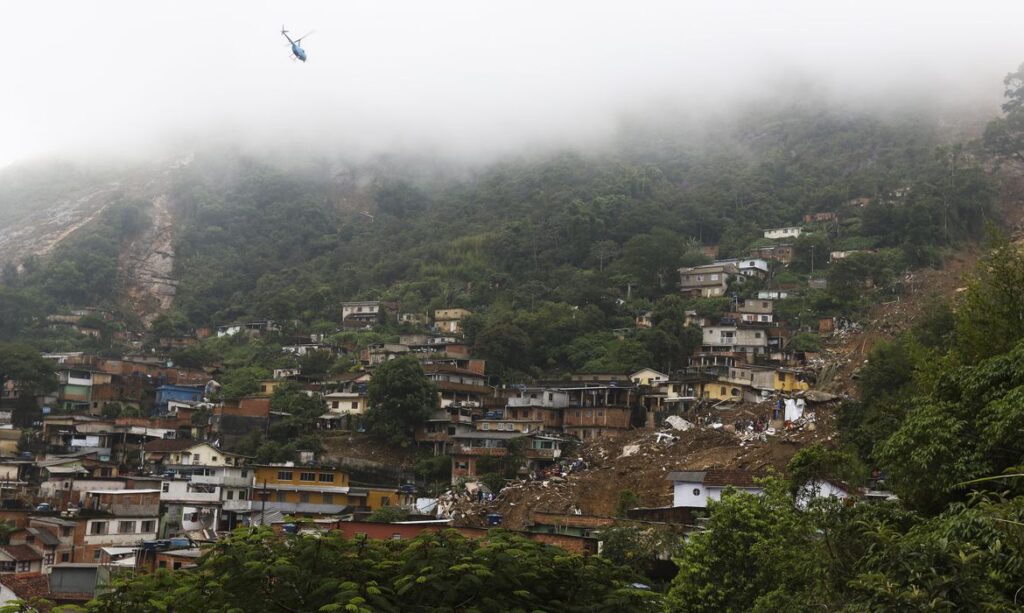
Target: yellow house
450,320
318,490
300,490
267,386
787,381
723,390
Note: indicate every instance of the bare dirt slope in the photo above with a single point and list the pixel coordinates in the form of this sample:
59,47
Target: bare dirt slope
39,231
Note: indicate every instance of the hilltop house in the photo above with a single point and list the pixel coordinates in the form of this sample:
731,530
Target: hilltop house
787,232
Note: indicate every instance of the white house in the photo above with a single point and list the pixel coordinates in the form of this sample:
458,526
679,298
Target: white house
695,488
204,454
788,232
345,403
648,376
748,267
822,489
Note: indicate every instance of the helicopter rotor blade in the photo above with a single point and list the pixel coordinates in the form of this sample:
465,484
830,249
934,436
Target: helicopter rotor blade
304,35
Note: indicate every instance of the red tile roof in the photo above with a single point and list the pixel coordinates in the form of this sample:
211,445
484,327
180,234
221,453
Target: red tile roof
22,552
27,585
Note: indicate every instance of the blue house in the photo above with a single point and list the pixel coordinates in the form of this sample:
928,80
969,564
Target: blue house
177,393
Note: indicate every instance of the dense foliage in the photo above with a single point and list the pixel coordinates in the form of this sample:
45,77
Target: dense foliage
257,571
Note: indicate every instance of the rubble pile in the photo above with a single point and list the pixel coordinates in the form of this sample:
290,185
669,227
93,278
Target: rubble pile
739,436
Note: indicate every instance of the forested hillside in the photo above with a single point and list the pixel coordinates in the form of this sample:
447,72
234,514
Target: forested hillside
550,252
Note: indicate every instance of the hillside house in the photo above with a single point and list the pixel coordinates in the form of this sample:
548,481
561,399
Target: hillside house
251,328
538,450
364,314
821,217
707,281
449,321
749,267
781,233
782,253
648,377
696,488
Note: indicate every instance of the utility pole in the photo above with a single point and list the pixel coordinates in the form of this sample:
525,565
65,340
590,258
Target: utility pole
263,503
812,260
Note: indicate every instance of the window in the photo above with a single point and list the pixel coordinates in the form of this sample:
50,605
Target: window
245,473
241,494
148,525
334,404
126,527
23,566
96,555
355,404
177,565
99,527
165,487
6,567
486,426
757,335
396,537
696,491
714,277
722,392
162,564
48,559
451,430
263,388
328,498
385,501
231,494
66,531
213,459
195,457
284,475
307,476
304,497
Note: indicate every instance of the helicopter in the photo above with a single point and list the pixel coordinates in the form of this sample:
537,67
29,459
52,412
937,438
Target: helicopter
297,49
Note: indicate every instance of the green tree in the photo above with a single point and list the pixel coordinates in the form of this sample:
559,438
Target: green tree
1005,135
754,549
255,570
400,398
25,365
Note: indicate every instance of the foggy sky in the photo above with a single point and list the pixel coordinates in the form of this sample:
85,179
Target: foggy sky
471,78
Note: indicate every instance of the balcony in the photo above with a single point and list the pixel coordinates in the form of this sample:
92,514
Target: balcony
297,507
480,451
223,480
238,506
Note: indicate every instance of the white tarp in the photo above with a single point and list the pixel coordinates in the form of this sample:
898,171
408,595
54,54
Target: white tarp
793,410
